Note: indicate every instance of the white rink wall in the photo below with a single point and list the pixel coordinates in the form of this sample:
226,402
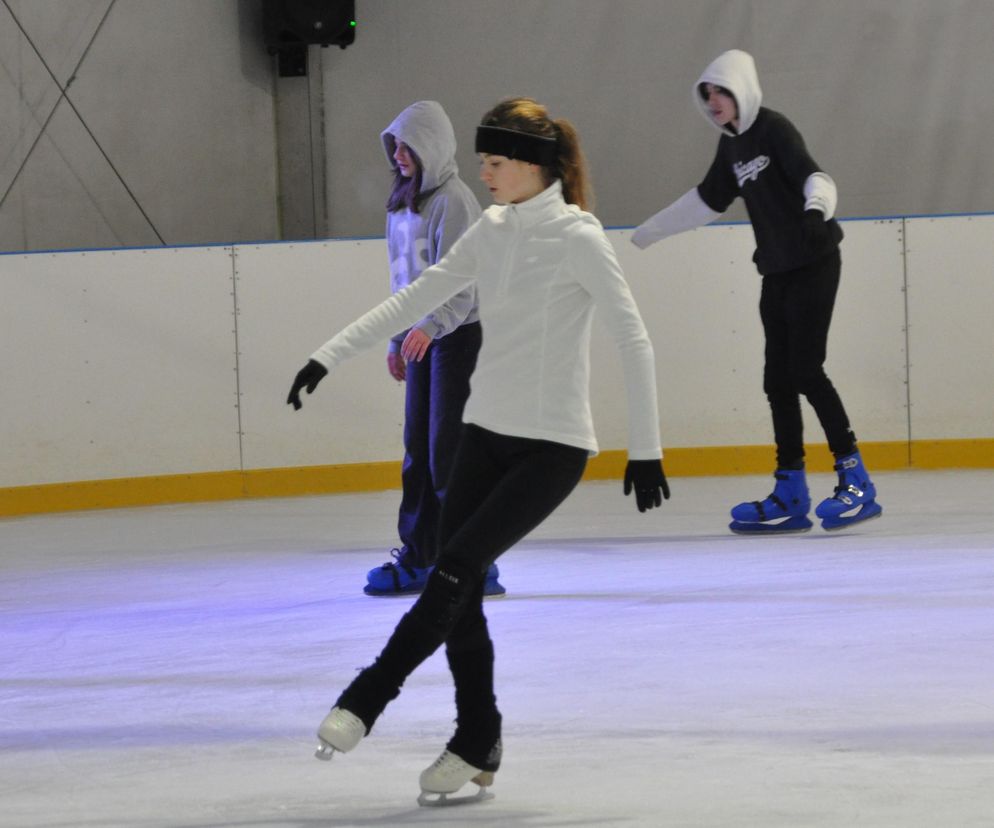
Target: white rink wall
133,363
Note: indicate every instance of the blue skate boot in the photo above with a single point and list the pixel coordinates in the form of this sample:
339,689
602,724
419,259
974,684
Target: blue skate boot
854,499
492,587
401,577
397,577
785,510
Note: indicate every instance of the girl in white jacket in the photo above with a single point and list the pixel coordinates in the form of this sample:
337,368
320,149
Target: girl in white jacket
541,266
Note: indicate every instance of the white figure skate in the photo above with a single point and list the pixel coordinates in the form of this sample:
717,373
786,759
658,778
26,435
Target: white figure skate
341,731
447,775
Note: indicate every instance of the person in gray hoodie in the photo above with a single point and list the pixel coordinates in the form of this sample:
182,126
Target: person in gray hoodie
429,207
791,203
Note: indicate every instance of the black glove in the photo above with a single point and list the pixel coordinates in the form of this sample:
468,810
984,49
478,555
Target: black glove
815,230
309,376
647,477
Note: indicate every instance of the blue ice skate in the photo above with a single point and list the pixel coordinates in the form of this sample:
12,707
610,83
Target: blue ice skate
784,510
397,577
491,586
854,499
401,577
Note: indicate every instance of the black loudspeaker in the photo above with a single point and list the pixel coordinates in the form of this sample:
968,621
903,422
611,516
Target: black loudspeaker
290,26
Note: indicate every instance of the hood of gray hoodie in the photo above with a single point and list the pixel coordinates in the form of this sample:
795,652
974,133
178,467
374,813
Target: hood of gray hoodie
735,70
427,130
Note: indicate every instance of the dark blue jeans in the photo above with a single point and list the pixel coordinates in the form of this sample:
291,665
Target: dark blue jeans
437,389
796,309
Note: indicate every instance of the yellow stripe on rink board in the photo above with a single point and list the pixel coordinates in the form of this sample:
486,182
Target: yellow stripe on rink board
719,461
368,477
200,487
952,454
119,492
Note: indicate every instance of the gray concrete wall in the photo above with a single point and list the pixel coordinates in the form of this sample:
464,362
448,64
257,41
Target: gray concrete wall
171,134
178,361
165,133
893,96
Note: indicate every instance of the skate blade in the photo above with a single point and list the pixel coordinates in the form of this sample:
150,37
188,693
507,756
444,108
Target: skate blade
392,593
430,799
325,752
867,511
791,525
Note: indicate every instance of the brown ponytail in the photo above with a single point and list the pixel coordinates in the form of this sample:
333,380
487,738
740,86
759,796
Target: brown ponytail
570,167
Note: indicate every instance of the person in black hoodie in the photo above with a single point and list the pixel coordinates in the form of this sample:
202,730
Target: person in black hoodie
791,203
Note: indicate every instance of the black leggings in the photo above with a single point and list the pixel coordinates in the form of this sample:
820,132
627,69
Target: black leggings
501,488
796,309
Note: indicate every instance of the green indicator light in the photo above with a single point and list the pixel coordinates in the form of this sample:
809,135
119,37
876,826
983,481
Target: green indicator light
352,23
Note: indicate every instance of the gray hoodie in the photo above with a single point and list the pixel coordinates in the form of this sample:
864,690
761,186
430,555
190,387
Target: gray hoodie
447,208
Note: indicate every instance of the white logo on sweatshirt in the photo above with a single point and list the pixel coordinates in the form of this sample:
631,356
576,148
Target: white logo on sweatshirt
750,170
411,257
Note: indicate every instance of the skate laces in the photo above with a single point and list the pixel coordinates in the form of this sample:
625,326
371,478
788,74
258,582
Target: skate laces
448,761
341,730
399,562
449,758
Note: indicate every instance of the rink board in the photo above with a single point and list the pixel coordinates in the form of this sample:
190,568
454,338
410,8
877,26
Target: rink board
131,364
699,293
117,364
951,327
357,413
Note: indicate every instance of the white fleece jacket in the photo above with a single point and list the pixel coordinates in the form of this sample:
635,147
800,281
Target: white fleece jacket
541,269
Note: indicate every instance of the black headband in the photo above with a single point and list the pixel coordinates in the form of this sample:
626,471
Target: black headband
522,146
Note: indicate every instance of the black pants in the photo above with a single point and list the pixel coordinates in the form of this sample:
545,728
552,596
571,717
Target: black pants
501,488
437,389
796,309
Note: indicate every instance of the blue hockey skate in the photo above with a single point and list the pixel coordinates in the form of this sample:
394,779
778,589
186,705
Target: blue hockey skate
784,510
492,588
854,499
401,577
397,577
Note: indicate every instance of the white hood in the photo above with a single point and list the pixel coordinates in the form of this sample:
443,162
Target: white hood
735,70
427,130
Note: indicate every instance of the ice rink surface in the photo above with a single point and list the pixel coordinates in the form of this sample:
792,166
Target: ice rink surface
168,666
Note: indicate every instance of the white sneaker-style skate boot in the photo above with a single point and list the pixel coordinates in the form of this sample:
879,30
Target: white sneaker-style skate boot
341,731
447,775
